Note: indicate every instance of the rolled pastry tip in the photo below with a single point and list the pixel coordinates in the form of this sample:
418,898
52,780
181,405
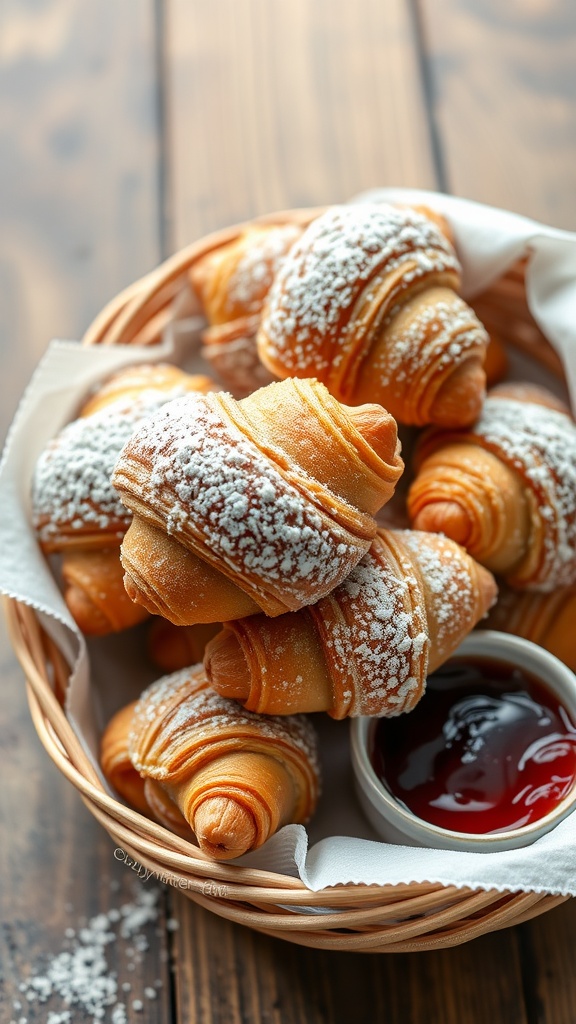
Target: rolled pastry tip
329,469
446,517
460,398
233,676
496,360
94,591
352,450
167,579
373,423
230,817
234,777
469,495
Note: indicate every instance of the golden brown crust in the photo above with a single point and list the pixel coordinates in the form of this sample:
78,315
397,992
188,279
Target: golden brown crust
236,777
115,759
545,619
130,382
367,647
95,593
277,493
506,488
76,510
365,302
232,283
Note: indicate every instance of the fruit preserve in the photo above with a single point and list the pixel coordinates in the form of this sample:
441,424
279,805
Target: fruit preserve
488,748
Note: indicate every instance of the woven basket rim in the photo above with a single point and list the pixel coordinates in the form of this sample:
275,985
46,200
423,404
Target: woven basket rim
366,918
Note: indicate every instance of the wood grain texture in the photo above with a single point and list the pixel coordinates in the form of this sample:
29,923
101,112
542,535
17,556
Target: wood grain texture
79,169
504,83
78,220
274,105
58,871
228,975
549,965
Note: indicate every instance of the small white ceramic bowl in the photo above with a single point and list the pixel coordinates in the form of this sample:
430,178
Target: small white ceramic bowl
396,824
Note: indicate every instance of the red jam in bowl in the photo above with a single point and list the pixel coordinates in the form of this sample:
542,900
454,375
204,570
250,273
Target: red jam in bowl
488,748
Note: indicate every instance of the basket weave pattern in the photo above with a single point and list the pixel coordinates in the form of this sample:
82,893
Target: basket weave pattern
363,918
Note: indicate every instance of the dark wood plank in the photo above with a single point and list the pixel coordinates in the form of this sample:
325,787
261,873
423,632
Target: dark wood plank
274,105
78,176
59,871
548,959
229,975
78,221
504,86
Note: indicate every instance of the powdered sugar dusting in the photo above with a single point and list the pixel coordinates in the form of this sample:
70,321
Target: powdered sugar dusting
309,314
183,703
439,334
255,271
540,444
378,645
80,975
446,570
72,488
215,488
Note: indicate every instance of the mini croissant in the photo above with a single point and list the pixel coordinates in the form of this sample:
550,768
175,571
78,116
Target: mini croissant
232,283
366,302
366,648
505,489
76,510
234,776
260,505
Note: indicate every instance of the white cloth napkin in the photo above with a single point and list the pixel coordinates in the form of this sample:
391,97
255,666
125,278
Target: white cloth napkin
344,848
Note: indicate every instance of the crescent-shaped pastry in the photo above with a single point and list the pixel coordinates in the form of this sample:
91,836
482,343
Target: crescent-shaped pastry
366,302
367,648
232,283
234,776
505,489
263,504
76,510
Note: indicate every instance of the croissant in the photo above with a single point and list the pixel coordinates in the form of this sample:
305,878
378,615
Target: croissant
259,505
366,302
505,489
232,283
173,647
365,649
77,512
545,619
235,777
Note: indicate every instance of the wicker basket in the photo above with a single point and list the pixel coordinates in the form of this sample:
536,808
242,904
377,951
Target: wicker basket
363,918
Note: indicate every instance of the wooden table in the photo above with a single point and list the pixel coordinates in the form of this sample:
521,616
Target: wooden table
126,130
